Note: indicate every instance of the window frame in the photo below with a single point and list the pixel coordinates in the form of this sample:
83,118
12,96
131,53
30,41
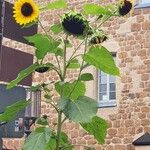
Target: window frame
108,102
139,4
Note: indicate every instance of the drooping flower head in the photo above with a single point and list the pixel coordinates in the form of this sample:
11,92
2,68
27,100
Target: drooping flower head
74,23
25,11
125,7
98,38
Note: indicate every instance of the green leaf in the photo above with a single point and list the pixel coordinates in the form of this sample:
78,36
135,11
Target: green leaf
102,59
42,121
43,44
38,139
51,145
58,4
58,51
97,127
23,74
81,110
74,64
29,24
64,142
86,77
57,28
94,9
77,88
12,110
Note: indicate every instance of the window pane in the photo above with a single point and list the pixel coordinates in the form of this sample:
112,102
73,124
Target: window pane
103,79
145,1
103,96
103,87
112,87
112,95
112,79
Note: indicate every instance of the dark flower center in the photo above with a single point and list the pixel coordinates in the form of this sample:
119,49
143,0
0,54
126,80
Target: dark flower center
26,9
125,8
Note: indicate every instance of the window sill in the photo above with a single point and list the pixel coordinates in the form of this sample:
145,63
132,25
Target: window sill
138,6
107,104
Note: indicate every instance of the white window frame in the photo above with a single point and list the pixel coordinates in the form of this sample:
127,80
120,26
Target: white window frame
142,4
107,102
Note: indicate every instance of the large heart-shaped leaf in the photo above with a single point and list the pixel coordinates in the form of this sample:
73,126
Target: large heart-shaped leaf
102,59
94,9
97,127
86,77
23,74
12,110
81,110
43,44
38,139
58,4
71,90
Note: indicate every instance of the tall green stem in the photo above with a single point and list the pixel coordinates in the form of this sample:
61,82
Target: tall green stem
58,130
60,112
85,49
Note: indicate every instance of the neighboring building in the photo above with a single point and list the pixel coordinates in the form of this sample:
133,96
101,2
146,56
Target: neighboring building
124,101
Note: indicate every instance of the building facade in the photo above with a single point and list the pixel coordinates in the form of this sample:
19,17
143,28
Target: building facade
124,101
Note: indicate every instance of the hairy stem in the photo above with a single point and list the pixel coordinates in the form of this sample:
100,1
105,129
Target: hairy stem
85,49
58,130
60,122
59,72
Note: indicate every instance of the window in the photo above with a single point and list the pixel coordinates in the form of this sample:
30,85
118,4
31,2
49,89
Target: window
106,90
142,3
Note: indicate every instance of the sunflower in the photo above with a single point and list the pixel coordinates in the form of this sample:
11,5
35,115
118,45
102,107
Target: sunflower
98,37
125,7
25,11
74,23
42,69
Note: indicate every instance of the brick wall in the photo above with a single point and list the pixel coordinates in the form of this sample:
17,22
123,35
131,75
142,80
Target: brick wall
130,36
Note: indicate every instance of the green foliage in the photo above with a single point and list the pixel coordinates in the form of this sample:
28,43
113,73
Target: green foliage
56,28
64,142
23,74
73,64
58,51
38,139
71,90
102,59
43,44
12,110
81,110
97,127
94,9
42,121
55,5
86,77
72,101
29,24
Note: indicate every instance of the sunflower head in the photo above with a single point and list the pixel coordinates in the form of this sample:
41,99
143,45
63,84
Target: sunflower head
125,7
74,23
25,11
98,38
42,69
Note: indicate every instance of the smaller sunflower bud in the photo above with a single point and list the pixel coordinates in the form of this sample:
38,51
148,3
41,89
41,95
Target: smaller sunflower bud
98,39
42,69
125,7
